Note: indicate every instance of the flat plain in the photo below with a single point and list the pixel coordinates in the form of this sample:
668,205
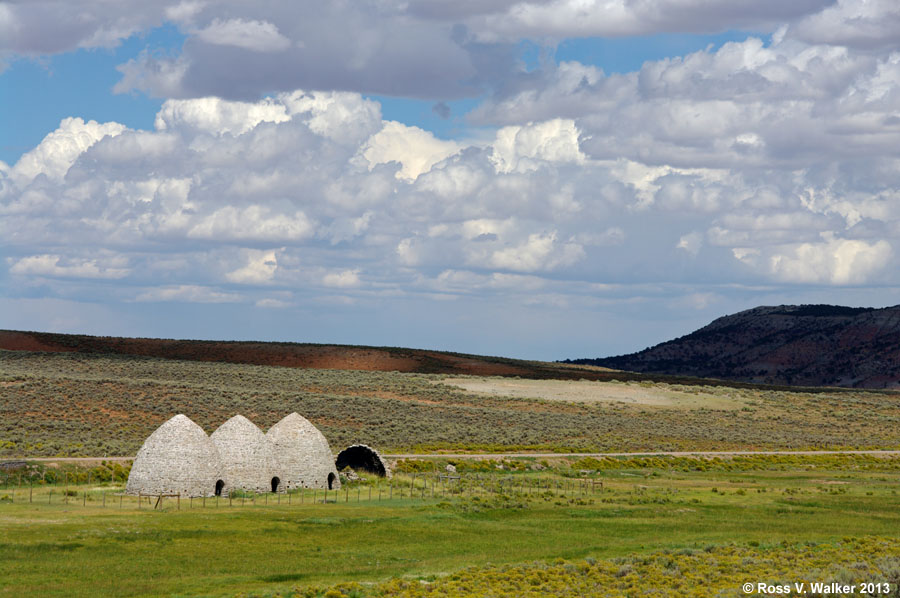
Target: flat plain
368,540
529,526
71,404
594,391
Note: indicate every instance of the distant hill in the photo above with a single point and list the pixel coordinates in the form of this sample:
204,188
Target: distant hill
300,355
807,345
326,357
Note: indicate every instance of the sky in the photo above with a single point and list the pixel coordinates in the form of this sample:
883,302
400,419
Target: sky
543,179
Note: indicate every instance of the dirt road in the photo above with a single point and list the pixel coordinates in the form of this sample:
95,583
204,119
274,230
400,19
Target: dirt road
657,454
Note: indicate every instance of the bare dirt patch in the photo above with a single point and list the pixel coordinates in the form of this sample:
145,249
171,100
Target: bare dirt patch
24,341
588,391
294,355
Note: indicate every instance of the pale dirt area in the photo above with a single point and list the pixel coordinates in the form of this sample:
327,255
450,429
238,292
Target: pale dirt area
589,391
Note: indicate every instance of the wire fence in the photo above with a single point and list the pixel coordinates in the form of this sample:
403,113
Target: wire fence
416,487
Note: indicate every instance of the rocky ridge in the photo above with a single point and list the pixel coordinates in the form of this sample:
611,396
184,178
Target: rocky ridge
806,345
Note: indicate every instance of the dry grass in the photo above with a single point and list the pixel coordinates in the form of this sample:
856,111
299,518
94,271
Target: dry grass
70,404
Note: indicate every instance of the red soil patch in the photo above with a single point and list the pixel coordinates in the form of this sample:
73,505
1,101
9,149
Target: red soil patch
334,357
297,355
27,341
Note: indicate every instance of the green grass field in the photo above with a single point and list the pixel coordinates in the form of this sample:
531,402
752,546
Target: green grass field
660,526
498,522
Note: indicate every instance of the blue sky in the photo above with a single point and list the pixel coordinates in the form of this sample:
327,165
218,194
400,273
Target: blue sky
539,179
38,92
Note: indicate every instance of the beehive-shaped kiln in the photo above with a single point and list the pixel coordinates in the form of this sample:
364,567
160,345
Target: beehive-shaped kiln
304,457
248,462
178,458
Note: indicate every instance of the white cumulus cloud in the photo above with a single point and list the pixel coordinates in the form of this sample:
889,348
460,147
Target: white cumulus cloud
260,268
259,36
253,223
832,261
415,149
541,251
520,147
58,151
218,116
114,267
187,294
342,279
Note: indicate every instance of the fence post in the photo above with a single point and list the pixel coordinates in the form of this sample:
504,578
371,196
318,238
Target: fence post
84,498
50,498
30,490
66,499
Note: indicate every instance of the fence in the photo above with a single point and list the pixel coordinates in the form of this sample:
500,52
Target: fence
402,487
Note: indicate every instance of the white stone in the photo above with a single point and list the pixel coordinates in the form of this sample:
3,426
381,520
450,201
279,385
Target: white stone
248,462
303,454
178,458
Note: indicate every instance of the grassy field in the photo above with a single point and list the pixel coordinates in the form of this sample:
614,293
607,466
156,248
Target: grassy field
77,404
669,526
532,526
864,567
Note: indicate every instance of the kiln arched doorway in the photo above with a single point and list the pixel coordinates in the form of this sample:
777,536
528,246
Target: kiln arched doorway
360,456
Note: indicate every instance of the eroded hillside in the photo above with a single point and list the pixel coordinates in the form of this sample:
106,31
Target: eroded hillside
806,345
